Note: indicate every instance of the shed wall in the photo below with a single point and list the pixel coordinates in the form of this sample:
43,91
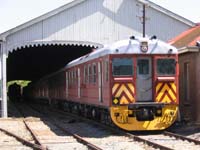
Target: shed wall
99,21
164,26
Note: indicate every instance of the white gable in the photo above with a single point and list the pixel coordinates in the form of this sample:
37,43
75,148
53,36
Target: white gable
94,22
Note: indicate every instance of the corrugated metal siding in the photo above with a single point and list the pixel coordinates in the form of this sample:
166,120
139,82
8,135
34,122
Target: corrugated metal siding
97,21
162,25
33,33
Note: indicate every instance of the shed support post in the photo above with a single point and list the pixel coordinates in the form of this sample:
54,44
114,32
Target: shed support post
3,80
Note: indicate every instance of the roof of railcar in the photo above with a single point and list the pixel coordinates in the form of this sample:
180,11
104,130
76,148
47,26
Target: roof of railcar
128,46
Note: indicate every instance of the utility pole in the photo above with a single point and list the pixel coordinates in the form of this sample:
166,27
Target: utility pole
143,17
143,20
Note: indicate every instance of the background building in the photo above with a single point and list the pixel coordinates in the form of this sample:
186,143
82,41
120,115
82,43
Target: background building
188,44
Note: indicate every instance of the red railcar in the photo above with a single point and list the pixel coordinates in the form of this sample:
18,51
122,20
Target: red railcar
132,83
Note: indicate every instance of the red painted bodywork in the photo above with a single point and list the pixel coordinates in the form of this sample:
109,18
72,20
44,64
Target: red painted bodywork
54,86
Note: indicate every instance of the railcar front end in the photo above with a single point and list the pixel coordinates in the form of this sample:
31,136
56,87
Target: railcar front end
136,80
144,87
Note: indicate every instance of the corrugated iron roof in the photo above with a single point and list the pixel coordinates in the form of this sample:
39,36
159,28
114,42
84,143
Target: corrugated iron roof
187,38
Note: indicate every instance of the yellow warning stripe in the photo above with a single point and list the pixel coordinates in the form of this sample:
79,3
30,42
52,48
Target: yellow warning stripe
130,85
165,98
123,100
158,87
173,86
115,87
122,88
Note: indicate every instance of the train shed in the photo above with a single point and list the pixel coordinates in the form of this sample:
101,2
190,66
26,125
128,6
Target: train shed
46,43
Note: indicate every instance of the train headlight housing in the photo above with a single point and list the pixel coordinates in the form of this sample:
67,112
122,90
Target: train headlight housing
158,112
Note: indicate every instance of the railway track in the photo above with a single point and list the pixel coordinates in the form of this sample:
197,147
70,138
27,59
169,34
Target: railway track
15,135
91,133
10,138
146,144
32,132
58,127
171,141
190,144
177,136
22,140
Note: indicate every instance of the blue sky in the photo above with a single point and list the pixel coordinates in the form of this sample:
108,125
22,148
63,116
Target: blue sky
16,12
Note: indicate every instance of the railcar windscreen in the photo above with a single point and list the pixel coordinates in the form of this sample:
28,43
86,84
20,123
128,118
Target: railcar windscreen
166,66
122,66
143,66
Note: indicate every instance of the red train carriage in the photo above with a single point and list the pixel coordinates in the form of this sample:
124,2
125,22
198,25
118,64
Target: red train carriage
132,83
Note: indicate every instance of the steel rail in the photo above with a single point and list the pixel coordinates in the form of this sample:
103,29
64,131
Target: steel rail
118,130
181,137
131,136
31,131
24,141
134,136
155,145
76,136
34,135
80,139
137,138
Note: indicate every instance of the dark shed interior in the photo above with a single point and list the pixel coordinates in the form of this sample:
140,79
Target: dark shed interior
32,63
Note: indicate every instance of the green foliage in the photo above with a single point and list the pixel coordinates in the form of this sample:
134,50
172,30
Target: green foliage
22,83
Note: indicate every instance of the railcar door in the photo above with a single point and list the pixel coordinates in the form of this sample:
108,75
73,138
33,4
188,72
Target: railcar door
144,79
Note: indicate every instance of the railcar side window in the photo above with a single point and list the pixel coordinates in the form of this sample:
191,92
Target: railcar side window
122,66
94,72
73,77
69,78
85,74
166,66
90,73
106,64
